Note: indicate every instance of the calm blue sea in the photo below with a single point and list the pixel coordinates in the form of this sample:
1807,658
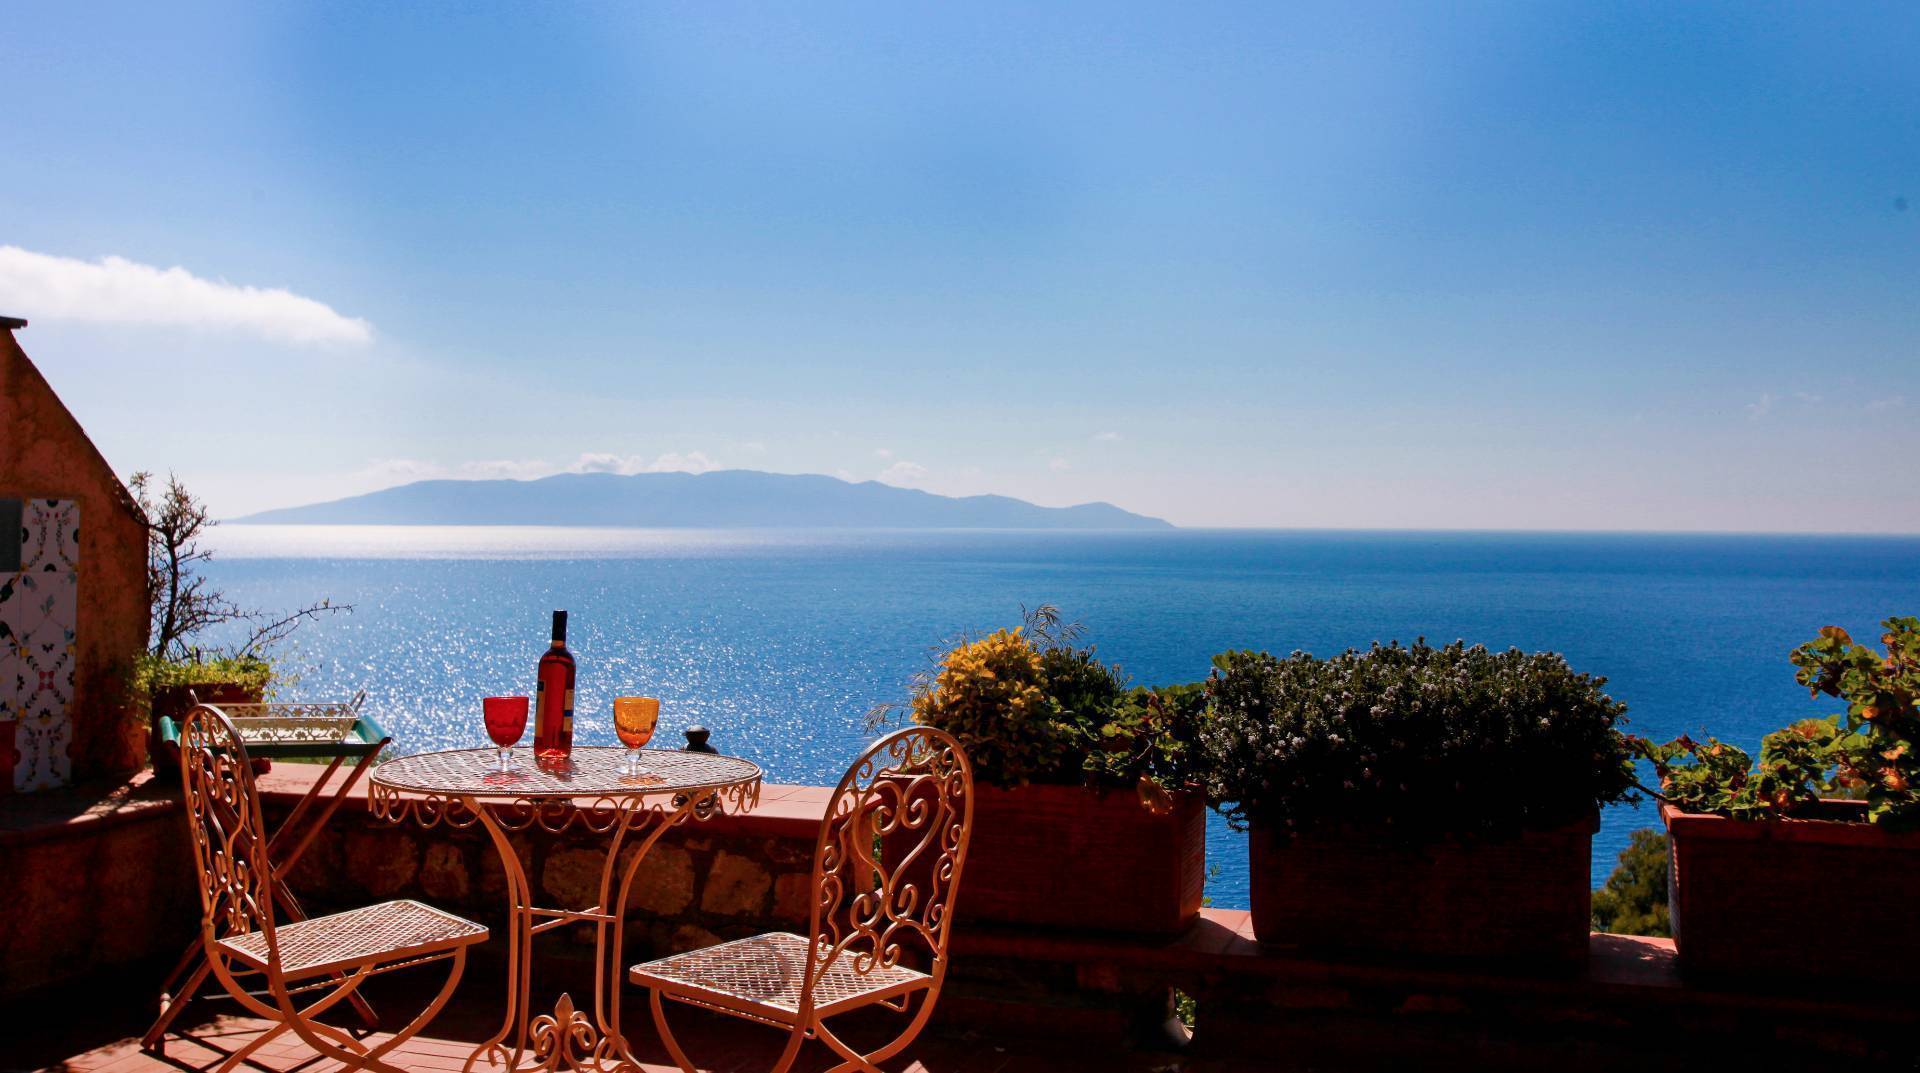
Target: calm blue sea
781,641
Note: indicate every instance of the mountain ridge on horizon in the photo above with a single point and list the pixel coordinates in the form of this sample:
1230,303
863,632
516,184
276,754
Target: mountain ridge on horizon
730,498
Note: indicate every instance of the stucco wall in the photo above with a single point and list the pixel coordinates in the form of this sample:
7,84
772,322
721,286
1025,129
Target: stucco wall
45,454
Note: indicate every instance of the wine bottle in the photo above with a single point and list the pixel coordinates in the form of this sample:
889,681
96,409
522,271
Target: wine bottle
553,701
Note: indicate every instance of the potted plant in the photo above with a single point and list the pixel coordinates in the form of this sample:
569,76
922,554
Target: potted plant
1416,800
1083,813
1830,813
176,669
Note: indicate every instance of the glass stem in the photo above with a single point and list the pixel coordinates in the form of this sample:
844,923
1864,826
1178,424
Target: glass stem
505,755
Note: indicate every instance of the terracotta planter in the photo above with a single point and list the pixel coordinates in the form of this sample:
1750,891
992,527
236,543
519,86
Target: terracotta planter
1754,899
1068,857
1522,900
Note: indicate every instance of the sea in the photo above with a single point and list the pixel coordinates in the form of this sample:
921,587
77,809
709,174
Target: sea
782,641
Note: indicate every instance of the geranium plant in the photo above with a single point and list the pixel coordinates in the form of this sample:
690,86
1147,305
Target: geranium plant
1414,741
1866,753
1031,706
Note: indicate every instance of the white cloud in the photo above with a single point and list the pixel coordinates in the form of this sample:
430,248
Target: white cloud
882,452
592,462
1758,410
670,462
116,290
1106,437
691,462
1892,402
387,472
1059,465
505,469
903,473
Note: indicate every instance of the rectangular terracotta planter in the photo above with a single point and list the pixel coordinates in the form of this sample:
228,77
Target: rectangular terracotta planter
1523,900
1068,857
1755,900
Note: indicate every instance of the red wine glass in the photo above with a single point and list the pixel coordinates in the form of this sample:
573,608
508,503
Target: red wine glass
506,719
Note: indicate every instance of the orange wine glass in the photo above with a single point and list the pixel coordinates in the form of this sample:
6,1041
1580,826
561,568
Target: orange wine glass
634,719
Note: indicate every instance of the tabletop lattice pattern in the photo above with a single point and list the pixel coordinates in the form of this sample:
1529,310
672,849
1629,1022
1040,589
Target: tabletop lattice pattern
768,970
385,932
594,772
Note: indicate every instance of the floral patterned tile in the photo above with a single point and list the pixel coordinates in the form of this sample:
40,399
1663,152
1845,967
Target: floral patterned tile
39,614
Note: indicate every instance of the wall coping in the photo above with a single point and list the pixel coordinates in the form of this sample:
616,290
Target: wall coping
84,809
784,811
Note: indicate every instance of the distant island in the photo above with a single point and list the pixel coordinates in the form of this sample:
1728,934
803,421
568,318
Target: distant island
723,499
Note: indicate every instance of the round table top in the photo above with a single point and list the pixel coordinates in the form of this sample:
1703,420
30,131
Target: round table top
594,772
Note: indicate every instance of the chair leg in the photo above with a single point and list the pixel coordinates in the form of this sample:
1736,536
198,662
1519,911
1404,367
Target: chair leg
854,1059
666,1034
233,1060
869,1062
780,1065
426,1016
327,1041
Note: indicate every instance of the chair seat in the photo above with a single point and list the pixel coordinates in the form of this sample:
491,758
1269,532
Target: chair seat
764,973
388,932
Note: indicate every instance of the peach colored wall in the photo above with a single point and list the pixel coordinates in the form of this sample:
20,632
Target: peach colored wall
44,453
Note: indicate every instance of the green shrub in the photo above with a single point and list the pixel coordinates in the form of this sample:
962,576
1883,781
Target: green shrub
1870,752
1420,742
1030,706
1634,901
152,672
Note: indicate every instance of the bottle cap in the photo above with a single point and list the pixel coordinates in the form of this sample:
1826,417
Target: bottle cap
559,625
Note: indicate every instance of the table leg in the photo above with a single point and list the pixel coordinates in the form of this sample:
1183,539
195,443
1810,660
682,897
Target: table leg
607,967
566,1037
519,947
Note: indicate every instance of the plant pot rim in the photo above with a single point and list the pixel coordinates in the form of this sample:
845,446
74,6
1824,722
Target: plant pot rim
1860,832
1588,824
1101,792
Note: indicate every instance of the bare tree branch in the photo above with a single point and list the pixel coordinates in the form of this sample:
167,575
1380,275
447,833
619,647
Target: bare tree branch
181,605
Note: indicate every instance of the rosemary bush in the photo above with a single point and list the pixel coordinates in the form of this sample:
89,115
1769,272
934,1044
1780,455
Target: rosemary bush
1420,742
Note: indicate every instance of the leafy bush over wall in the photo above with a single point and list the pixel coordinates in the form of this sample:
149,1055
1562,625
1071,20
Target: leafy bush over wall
1418,741
1870,752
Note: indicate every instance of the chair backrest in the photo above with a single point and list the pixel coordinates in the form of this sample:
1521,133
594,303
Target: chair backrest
229,839
888,863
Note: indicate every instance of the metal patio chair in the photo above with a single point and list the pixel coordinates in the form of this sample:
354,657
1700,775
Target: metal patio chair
885,872
264,965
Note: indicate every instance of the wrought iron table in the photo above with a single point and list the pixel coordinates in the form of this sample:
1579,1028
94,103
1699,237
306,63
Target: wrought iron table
458,788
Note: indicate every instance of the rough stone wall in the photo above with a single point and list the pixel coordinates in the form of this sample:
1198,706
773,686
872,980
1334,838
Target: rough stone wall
701,884
44,453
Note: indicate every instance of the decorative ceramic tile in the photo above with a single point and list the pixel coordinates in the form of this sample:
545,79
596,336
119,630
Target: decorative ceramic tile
39,609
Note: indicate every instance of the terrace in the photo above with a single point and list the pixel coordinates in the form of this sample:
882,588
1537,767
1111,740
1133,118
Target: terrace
1080,941
1021,999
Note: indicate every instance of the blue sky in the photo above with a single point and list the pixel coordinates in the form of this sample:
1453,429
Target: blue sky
1455,265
